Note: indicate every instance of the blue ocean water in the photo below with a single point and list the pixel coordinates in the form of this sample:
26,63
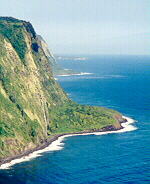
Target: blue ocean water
117,82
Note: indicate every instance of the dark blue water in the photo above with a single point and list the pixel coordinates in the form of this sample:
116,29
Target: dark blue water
118,82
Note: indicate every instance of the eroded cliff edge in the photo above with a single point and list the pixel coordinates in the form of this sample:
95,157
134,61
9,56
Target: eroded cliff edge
56,68
34,108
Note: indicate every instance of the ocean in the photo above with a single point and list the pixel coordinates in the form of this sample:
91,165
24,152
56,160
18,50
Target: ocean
113,81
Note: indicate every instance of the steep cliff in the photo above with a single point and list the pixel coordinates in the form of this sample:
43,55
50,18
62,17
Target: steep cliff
33,105
28,88
57,69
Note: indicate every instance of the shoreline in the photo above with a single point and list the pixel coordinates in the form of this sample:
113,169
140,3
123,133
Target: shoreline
54,142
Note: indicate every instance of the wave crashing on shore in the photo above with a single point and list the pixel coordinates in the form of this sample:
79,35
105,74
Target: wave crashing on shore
58,145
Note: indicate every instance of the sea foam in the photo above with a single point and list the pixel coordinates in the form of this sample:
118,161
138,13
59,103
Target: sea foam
58,145
54,146
82,73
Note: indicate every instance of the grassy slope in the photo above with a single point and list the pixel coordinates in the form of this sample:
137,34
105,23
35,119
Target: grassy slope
33,105
75,117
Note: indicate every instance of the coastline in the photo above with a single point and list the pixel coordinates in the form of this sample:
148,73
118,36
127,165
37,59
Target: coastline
54,142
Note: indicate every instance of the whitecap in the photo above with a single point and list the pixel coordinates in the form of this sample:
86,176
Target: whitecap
82,73
114,76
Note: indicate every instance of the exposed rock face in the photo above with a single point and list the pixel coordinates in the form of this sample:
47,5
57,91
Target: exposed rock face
57,69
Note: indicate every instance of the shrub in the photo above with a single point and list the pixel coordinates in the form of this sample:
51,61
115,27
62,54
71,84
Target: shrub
35,47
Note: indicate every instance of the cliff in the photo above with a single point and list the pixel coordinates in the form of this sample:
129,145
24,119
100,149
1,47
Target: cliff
33,105
56,68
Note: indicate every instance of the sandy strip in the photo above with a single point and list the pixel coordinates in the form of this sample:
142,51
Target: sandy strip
57,145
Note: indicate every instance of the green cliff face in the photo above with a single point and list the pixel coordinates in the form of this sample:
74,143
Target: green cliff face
33,106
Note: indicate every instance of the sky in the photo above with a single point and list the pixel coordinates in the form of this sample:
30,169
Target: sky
86,26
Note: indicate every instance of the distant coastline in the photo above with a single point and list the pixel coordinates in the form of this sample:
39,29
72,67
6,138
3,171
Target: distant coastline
54,142
70,58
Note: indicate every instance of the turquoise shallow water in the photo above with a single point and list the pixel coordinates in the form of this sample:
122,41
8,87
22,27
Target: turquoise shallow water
118,82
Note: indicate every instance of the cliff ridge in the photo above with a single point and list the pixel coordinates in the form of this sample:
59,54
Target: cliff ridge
33,105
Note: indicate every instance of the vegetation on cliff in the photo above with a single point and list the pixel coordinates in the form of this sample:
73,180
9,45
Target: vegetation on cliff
75,117
33,105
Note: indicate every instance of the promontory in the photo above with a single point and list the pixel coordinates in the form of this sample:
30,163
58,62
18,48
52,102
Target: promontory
33,106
